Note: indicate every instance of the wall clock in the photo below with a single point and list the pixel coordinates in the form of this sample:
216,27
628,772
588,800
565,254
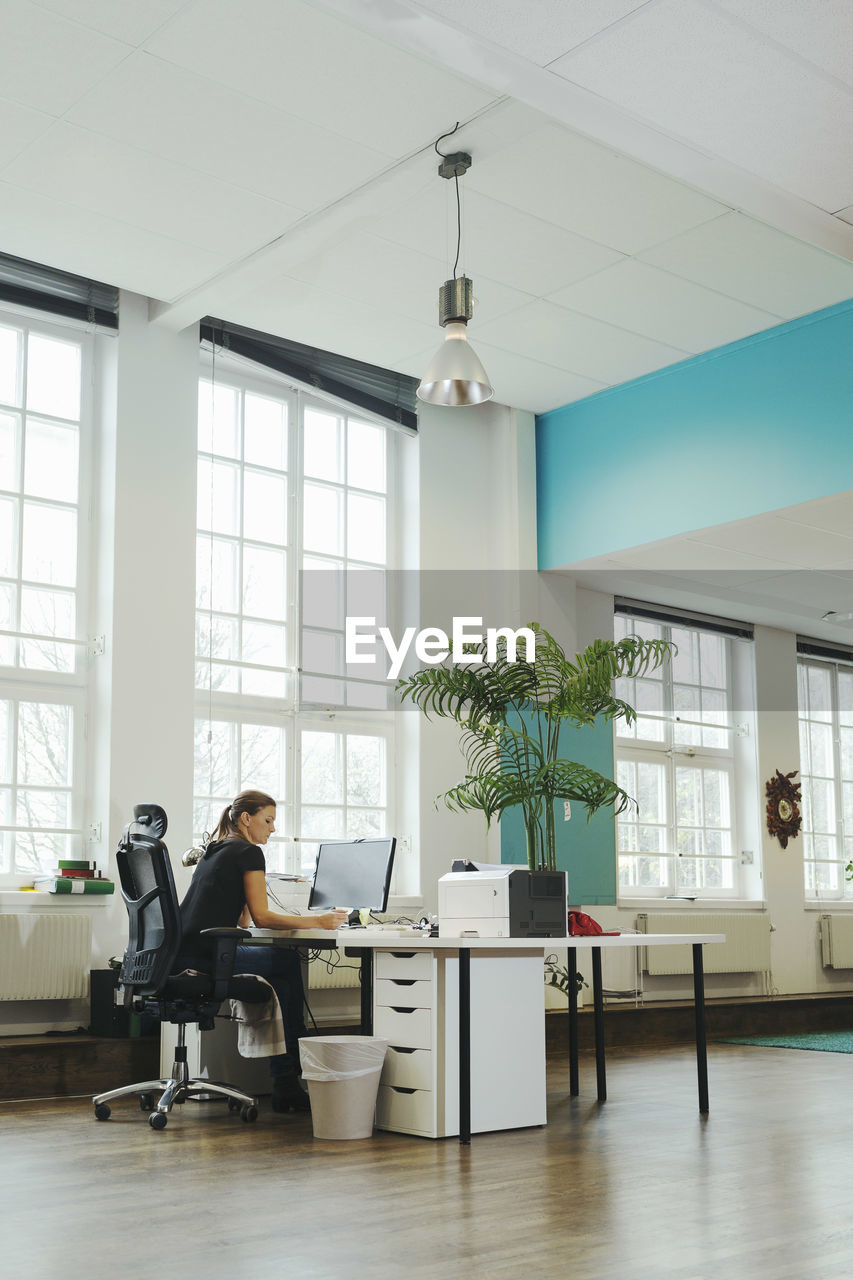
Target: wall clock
783,807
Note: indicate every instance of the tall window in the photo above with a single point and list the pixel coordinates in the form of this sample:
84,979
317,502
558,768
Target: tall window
678,762
43,371
825,693
293,511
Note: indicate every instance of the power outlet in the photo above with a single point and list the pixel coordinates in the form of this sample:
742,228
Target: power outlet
567,811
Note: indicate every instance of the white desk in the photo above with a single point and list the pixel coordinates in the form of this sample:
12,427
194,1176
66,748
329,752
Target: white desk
365,942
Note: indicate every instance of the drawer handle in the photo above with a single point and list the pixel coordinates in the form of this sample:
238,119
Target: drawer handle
403,955
398,1048
403,982
401,1009
398,1088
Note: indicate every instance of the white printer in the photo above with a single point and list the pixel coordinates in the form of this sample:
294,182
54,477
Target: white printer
501,901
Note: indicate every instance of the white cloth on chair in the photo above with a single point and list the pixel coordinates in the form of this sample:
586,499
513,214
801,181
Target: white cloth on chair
260,1029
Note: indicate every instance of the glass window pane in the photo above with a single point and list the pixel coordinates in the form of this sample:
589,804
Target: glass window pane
712,660
216,563
8,537
218,498
820,694
365,456
265,432
323,651
323,824
366,528
216,759
42,808
218,423
6,754
322,519
40,852
822,805
651,792
10,340
53,376
322,446
50,461
9,474
363,823
264,582
322,769
49,613
323,594
820,741
264,507
328,693
50,545
262,762
688,798
264,643
44,744
8,622
216,637
685,664
365,770
845,697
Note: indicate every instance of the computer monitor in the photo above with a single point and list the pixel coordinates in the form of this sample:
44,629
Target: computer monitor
353,873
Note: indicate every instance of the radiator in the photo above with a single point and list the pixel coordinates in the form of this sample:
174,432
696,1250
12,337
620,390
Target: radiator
344,974
836,941
745,950
45,956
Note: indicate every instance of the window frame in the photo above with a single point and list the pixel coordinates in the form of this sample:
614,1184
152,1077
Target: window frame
671,756
844,893
27,684
293,711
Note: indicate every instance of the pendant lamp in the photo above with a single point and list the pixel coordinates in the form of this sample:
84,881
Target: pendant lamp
455,376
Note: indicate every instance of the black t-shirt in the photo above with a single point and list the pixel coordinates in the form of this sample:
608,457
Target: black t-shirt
216,895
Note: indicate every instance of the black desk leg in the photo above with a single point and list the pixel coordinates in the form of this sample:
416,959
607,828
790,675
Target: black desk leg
465,1045
701,1042
572,968
598,1005
367,991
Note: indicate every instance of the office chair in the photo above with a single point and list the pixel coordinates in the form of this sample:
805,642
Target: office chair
154,917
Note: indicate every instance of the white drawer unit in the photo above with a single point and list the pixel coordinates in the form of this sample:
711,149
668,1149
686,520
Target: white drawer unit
405,993
416,1009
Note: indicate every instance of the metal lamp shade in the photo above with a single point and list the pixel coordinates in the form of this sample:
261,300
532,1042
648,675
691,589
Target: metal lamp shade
455,377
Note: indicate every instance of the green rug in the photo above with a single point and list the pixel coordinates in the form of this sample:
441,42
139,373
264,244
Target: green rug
824,1041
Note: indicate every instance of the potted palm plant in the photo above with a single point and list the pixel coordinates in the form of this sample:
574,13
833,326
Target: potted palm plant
511,713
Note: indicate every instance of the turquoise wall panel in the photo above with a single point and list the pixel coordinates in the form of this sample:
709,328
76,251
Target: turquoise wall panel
587,851
761,424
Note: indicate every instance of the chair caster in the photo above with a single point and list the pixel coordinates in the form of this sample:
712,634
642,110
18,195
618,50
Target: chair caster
146,1102
157,1120
102,1111
249,1113
234,1105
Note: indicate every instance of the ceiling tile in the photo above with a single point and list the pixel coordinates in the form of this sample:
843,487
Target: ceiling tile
19,126
129,20
690,553
582,345
73,239
762,267
116,180
715,76
539,31
317,67
361,328
498,240
586,188
783,540
834,514
162,108
47,62
820,30
663,306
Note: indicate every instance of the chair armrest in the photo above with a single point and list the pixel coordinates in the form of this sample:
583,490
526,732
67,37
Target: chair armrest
225,941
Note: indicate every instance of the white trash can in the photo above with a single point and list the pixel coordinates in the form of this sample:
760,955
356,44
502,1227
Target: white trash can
342,1073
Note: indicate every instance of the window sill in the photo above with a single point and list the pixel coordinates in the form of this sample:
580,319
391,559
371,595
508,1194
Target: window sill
29,898
836,904
691,904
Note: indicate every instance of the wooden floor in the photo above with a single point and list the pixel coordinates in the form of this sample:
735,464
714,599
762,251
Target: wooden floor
640,1188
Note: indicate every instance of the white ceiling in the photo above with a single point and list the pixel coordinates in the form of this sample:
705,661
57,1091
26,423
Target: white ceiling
650,180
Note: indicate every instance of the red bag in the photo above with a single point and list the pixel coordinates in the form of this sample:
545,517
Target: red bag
583,926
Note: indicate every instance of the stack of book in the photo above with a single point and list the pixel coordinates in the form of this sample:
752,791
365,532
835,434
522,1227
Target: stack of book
74,875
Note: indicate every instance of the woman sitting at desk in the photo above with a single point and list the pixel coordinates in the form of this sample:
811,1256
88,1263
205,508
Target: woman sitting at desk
229,888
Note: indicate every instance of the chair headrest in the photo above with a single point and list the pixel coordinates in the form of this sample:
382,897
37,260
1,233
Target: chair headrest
151,818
